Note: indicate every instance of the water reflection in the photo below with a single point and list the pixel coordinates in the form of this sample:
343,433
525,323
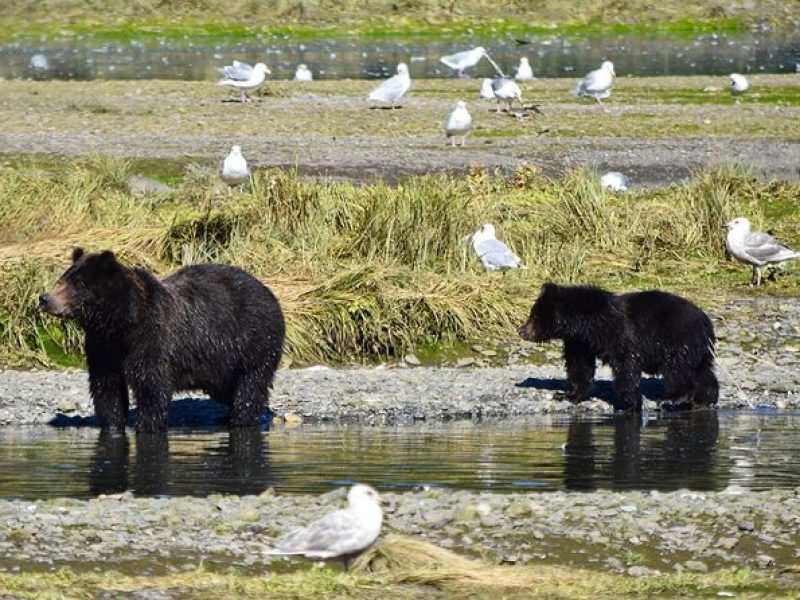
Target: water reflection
239,466
680,451
551,55
699,450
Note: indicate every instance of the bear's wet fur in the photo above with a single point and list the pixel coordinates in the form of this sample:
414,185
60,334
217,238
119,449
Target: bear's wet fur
653,332
209,327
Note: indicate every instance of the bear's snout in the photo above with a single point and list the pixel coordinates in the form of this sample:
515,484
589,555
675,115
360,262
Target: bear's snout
526,332
44,302
54,303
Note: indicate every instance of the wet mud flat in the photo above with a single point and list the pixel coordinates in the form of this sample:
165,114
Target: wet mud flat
656,130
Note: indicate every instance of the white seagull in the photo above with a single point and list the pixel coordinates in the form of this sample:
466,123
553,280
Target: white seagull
243,77
464,60
524,71
494,253
342,533
597,84
303,73
738,84
391,90
755,248
234,169
615,181
487,93
458,124
506,89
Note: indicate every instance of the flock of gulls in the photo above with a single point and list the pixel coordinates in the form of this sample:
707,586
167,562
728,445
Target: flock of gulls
753,248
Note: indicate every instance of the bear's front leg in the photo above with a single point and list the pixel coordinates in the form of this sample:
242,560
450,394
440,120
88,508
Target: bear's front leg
627,374
580,364
107,386
153,393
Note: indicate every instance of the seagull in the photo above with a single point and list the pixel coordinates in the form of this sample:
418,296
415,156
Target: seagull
303,73
464,60
494,253
39,62
597,84
738,84
524,71
487,93
506,89
342,533
234,169
755,248
243,77
391,90
615,181
458,123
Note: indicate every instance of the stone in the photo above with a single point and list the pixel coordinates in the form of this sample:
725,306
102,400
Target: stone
67,405
412,360
765,560
746,526
465,362
727,543
696,565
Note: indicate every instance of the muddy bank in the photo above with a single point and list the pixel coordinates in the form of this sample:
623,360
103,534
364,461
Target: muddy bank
758,364
635,532
657,130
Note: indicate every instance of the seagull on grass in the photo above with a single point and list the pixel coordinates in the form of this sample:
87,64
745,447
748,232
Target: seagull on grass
234,169
243,77
303,73
494,254
755,248
506,89
524,71
394,88
340,534
738,84
615,181
597,84
458,124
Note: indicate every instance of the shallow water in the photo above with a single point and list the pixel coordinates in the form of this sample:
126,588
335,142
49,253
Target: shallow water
551,55
701,451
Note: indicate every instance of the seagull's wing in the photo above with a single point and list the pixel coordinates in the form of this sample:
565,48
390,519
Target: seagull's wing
391,89
454,61
765,248
238,71
497,255
334,534
591,83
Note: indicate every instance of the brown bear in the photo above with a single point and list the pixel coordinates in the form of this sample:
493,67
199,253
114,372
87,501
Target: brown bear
210,327
653,331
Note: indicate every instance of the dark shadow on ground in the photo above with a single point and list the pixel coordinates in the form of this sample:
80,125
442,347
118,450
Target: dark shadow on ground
183,412
651,387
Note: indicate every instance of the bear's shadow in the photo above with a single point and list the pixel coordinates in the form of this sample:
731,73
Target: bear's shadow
183,412
652,387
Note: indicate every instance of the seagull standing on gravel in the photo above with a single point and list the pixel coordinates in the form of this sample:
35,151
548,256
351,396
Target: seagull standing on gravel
391,90
494,254
615,181
524,71
597,84
738,84
234,169
458,124
464,60
506,89
755,248
243,77
303,73
342,533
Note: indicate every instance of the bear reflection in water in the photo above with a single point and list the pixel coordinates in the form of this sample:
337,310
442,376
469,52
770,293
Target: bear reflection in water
674,452
239,466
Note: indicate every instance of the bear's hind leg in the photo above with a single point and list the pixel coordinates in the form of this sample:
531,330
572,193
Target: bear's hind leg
580,364
250,399
706,388
626,384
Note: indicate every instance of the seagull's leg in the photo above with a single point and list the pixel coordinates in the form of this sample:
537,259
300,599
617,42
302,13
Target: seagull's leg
498,106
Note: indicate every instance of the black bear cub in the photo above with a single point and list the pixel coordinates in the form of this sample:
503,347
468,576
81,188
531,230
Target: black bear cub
214,328
652,331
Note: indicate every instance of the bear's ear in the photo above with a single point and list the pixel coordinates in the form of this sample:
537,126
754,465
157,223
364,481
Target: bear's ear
549,289
107,260
76,254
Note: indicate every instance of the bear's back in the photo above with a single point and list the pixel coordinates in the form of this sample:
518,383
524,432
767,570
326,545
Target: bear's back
667,316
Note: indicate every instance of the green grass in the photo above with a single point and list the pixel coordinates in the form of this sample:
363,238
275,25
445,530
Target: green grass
213,20
372,271
401,568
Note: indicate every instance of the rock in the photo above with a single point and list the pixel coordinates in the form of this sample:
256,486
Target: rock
66,405
141,186
465,362
696,565
727,543
466,514
765,560
292,419
638,571
517,509
250,515
412,360
746,526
